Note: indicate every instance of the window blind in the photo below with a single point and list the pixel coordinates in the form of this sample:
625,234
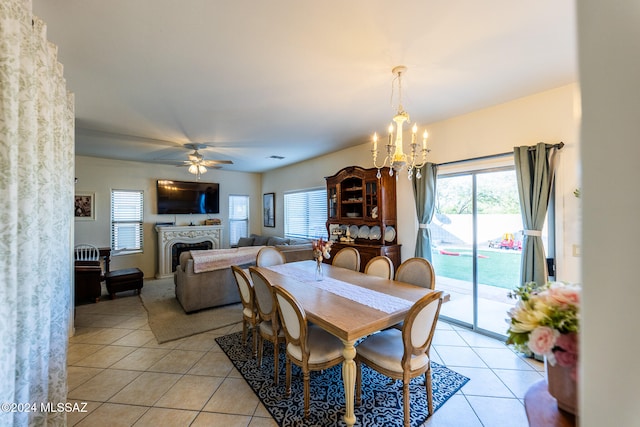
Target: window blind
238,218
305,214
126,220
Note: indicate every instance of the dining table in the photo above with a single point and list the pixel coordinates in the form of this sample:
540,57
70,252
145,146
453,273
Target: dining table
348,304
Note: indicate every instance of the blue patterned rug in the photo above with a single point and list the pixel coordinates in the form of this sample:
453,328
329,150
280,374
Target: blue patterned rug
381,402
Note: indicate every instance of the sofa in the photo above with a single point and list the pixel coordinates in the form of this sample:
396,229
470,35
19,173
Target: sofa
198,287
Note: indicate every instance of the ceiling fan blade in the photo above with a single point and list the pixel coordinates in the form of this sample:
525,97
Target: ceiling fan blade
216,162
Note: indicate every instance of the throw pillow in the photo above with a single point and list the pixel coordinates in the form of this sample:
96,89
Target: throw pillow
245,241
260,240
274,241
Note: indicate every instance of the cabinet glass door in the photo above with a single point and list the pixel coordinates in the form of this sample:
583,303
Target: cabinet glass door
371,199
332,196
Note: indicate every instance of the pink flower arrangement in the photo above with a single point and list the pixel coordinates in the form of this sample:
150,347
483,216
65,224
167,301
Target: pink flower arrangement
321,249
545,321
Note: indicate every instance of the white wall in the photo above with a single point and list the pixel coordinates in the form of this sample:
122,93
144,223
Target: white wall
609,69
549,116
100,176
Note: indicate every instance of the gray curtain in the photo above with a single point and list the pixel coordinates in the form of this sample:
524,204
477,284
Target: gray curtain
424,192
534,173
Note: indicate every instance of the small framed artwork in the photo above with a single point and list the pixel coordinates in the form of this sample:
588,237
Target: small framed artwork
84,207
269,209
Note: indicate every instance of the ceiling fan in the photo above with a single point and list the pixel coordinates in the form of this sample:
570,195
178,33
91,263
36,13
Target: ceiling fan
197,164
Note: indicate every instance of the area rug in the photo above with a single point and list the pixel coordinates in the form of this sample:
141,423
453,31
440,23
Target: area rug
169,322
381,400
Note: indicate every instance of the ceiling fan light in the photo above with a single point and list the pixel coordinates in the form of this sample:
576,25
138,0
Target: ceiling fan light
193,169
201,169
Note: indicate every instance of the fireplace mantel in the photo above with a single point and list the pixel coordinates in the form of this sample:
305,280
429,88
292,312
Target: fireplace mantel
170,235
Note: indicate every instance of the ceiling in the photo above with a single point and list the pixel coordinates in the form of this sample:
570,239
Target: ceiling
296,79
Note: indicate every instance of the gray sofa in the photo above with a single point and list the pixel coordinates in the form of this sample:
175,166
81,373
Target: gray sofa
198,291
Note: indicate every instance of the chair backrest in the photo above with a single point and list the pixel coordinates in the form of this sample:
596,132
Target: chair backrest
85,252
245,287
293,319
347,258
419,326
380,266
269,256
264,298
417,271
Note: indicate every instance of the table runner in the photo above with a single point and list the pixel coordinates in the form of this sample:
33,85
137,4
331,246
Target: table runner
374,299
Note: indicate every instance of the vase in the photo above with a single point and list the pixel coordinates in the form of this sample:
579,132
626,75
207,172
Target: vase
318,270
562,387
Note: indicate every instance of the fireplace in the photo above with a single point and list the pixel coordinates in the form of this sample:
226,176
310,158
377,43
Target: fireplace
174,240
178,248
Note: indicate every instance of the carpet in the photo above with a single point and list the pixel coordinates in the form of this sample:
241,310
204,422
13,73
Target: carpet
169,322
381,402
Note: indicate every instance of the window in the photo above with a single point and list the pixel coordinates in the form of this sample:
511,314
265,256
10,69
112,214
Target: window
238,218
305,213
126,220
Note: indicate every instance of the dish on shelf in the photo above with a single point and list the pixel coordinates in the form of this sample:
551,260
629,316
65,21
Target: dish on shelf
352,215
389,234
353,231
363,232
375,233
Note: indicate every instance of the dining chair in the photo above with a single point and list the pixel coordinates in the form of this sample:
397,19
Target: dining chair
89,271
308,346
86,252
268,327
269,256
380,266
250,317
347,258
403,355
417,271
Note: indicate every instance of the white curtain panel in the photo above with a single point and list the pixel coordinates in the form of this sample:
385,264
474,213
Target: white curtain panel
36,184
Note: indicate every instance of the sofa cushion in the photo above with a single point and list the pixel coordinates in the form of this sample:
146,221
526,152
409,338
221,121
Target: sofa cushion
274,241
259,240
245,241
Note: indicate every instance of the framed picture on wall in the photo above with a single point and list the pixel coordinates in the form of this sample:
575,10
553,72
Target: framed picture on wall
84,207
269,209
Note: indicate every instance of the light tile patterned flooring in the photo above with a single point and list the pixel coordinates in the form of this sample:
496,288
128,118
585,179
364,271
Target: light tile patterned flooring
128,379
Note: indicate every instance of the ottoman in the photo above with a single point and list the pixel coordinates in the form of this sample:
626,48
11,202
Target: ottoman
127,279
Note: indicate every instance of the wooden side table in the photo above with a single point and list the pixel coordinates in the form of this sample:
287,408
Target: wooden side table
542,409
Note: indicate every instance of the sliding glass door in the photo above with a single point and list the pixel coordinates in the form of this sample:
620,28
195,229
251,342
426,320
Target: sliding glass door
477,245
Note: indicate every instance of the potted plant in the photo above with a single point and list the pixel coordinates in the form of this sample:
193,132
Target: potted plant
546,321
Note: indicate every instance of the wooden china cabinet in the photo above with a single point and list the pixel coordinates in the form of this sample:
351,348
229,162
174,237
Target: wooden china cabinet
362,213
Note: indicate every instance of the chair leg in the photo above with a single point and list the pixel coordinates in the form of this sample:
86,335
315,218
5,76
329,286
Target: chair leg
305,377
407,403
358,382
276,359
254,332
260,348
287,388
427,382
244,329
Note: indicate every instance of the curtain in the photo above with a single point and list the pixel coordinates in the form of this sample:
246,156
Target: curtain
534,173
36,183
424,192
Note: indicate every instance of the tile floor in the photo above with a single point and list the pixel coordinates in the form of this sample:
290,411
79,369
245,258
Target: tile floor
126,378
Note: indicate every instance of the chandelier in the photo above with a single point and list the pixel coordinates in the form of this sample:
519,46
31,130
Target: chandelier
397,159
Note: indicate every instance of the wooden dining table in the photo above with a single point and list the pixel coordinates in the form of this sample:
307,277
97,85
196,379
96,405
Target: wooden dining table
348,304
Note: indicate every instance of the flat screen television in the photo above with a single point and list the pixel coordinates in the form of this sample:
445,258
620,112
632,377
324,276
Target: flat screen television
182,197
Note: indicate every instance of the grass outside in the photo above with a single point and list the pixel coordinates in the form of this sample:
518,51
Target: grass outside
500,268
